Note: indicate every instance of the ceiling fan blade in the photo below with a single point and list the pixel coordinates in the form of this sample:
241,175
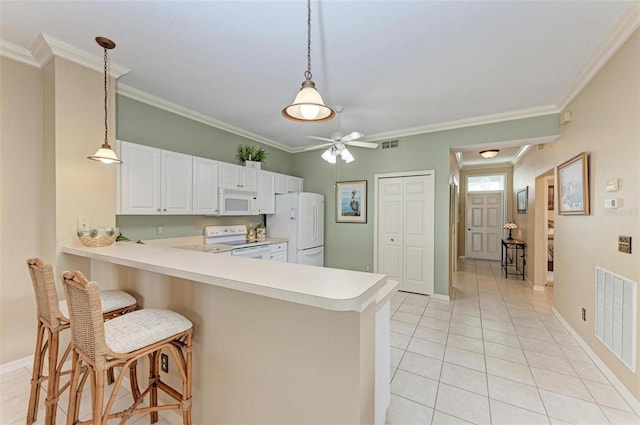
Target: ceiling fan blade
362,144
316,147
352,136
321,138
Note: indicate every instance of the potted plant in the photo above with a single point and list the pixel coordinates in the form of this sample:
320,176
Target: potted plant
252,155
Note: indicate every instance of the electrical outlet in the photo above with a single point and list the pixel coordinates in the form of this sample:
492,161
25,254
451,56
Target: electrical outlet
83,223
159,230
584,314
164,363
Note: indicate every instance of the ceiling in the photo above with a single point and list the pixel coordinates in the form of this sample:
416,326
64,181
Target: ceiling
397,67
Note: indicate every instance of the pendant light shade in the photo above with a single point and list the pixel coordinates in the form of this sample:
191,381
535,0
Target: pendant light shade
105,154
308,105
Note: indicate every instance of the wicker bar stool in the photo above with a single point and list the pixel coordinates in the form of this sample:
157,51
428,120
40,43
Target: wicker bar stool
52,319
99,345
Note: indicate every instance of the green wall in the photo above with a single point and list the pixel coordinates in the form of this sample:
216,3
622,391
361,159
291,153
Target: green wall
138,122
350,246
347,246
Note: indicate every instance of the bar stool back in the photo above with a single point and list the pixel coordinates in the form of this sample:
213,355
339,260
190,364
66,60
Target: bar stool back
52,319
100,345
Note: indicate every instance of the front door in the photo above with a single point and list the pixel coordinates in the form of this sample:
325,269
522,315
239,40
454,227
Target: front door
484,225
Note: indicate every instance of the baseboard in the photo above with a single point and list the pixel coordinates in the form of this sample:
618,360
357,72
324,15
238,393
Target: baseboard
16,364
626,394
441,297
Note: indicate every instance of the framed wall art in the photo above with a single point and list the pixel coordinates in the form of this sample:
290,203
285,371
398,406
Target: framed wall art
351,202
573,186
522,198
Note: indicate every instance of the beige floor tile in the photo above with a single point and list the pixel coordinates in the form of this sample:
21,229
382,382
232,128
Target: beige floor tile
572,410
466,343
515,393
505,352
465,358
401,316
509,370
441,418
421,365
396,356
588,370
463,404
619,417
469,331
430,322
399,340
464,378
430,334
507,414
403,411
563,384
501,338
410,308
414,387
403,327
505,327
426,348
605,394
552,363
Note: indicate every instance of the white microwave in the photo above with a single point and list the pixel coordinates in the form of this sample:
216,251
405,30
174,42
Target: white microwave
238,202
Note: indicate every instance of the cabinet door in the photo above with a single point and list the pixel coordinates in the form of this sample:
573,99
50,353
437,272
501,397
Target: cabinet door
266,194
140,179
228,176
177,180
248,178
294,184
205,186
281,184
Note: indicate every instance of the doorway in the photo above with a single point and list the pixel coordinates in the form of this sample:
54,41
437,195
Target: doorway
544,231
405,228
485,215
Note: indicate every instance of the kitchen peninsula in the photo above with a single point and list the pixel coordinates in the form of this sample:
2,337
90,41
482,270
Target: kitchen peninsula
274,342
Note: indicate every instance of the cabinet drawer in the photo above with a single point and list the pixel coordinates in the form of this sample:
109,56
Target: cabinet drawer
275,247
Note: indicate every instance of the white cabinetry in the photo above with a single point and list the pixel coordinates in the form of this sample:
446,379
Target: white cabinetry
281,184
154,181
278,252
294,184
266,193
233,176
205,186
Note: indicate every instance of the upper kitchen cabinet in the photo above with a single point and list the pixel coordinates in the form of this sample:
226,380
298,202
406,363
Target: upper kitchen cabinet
287,184
205,186
266,192
294,184
154,181
231,176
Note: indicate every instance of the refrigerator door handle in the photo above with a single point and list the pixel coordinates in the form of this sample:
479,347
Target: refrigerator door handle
315,221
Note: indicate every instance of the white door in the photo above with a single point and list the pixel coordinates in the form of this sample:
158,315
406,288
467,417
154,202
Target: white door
310,221
177,183
281,184
311,257
406,231
484,225
266,193
228,176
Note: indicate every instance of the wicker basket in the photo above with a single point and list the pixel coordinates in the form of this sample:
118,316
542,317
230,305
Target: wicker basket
98,236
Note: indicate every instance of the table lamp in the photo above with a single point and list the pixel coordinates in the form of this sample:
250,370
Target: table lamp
511,226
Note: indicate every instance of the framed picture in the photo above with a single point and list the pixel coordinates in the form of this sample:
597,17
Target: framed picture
351,202
522,200
573,186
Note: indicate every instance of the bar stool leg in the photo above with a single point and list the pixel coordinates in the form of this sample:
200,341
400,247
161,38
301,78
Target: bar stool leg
154,375
186,393
133,381
97,396
36,376
51,402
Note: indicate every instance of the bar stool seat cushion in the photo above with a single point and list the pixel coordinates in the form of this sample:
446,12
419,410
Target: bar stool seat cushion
111,299
141,328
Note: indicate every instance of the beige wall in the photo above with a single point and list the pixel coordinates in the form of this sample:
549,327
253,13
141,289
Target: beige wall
20,203
52,119
605,124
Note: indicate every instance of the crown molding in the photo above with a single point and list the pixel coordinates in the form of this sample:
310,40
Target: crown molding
158,102
468,122
520,154
46,47
625,27
17,53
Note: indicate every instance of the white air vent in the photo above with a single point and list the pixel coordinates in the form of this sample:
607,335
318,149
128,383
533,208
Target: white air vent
616,315
391,144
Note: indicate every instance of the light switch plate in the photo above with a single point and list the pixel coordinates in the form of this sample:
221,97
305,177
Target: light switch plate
624,244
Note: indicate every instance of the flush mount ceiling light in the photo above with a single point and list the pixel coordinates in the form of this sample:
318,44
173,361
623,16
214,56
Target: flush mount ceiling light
308,105
490,153
105,154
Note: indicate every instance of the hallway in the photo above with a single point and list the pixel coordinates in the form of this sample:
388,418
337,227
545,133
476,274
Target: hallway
495,354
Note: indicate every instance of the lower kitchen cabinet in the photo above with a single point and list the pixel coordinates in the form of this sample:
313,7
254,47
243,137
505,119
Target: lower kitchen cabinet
278,252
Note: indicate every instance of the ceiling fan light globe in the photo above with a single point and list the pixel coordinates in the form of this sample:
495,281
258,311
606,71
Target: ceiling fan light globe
346,155
329,156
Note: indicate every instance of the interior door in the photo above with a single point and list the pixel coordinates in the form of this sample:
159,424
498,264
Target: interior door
406,230
484,225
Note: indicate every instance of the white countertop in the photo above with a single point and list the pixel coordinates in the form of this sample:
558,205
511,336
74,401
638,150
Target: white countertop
326,288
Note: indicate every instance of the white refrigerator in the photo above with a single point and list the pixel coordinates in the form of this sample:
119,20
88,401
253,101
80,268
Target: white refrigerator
299,217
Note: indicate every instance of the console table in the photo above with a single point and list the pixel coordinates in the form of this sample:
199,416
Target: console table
516,267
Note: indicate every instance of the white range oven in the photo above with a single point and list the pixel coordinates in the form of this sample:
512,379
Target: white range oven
235,236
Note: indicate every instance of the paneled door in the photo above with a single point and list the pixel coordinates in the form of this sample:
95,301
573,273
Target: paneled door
484,225
406,230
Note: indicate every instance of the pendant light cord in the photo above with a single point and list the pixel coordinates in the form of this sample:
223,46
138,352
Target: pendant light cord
307,74
106,94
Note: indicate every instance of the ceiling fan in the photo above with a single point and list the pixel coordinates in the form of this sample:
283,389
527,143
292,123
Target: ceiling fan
338,143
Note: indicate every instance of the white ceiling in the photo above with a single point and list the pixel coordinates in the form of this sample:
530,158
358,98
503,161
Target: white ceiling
398,67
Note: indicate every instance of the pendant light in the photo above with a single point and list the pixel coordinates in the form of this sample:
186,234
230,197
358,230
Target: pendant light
105,154
308,105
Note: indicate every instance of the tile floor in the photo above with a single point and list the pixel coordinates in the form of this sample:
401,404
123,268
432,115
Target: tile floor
495,354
